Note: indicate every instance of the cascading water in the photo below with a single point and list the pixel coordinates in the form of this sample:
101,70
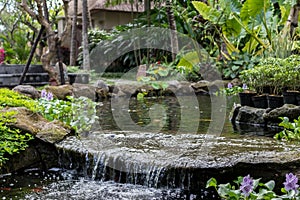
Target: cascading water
111,164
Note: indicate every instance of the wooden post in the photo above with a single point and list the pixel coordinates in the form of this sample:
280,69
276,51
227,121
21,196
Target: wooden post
60,64
33,48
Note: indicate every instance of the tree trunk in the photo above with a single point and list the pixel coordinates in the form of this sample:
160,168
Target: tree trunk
292,21
172,25
85,23
42,16
73,50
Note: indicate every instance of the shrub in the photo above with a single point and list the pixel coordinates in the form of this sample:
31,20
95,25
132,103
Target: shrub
291,130
78,113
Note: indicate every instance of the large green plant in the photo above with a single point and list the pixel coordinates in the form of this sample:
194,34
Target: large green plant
17,49
249,27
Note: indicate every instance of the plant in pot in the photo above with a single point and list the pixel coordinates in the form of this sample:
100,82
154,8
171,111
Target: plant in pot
247,94
266,78
290,79
276,79
291,94
262,79
256,79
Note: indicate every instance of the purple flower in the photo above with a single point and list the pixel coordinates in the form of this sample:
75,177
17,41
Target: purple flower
49,96
43,93
245,87
247,185
229,85
290,182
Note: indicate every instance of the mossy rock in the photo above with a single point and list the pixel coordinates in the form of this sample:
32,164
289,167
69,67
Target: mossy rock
60,92
35,124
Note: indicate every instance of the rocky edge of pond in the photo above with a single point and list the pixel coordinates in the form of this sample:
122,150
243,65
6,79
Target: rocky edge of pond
263,117
179,156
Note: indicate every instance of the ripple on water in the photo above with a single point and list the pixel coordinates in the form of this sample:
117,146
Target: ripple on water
62,184
91,190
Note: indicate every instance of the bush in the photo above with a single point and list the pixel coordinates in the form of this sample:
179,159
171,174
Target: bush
291,130
78,113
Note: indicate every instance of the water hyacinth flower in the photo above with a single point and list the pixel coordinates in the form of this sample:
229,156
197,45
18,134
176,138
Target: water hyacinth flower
44,94
245,87
291,182
49,96
247,185
229,85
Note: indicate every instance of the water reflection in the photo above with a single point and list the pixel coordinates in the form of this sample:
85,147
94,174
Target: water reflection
171,118
171,114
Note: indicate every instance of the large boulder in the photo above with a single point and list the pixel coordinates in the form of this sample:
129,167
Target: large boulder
183,160
27,90
287,110
102,90
250,115
126,88
201,87
84,90
37,125
60,92
180,88
41,152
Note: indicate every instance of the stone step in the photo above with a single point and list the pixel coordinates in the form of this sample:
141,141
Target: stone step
10,76
181,160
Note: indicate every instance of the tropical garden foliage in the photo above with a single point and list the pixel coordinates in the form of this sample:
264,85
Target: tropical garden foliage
236,34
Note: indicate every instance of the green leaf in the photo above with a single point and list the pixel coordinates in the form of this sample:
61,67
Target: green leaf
235,67
155,85
163,72
209,13
189,60
270,185
140,96
251,8
231,28
212,182
164,85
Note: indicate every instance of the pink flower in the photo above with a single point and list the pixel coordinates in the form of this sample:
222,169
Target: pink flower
2,55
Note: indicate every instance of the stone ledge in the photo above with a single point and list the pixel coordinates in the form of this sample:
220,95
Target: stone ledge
263,117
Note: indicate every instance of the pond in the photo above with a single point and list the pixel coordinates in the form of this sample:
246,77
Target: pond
158,115
199,116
